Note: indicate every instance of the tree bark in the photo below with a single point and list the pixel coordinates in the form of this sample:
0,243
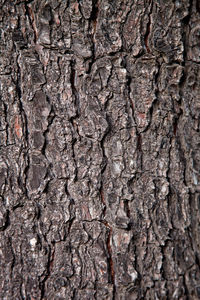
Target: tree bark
100,161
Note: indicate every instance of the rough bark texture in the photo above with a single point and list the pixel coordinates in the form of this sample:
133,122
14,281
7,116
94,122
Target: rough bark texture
99,134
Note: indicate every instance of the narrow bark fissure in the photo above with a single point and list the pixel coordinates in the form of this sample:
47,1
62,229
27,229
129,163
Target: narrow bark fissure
94,16
73,86
127,209
162,248
103,169
25,131
77,114
51,118
7,125
111,268
93,27
148,30
26,170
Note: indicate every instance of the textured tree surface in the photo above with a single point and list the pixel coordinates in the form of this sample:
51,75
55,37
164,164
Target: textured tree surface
100,160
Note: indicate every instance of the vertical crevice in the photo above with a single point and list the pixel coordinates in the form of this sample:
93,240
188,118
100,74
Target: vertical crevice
73,86
93,24
148,29
111,268
94,15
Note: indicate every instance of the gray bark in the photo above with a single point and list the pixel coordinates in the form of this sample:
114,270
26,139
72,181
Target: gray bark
100,161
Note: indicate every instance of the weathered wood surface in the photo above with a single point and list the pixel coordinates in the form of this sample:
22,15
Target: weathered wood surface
100,160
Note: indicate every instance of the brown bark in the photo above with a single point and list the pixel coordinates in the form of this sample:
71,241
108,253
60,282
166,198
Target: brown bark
99,135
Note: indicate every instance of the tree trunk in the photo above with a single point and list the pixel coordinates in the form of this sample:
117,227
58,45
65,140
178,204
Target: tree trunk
99,171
